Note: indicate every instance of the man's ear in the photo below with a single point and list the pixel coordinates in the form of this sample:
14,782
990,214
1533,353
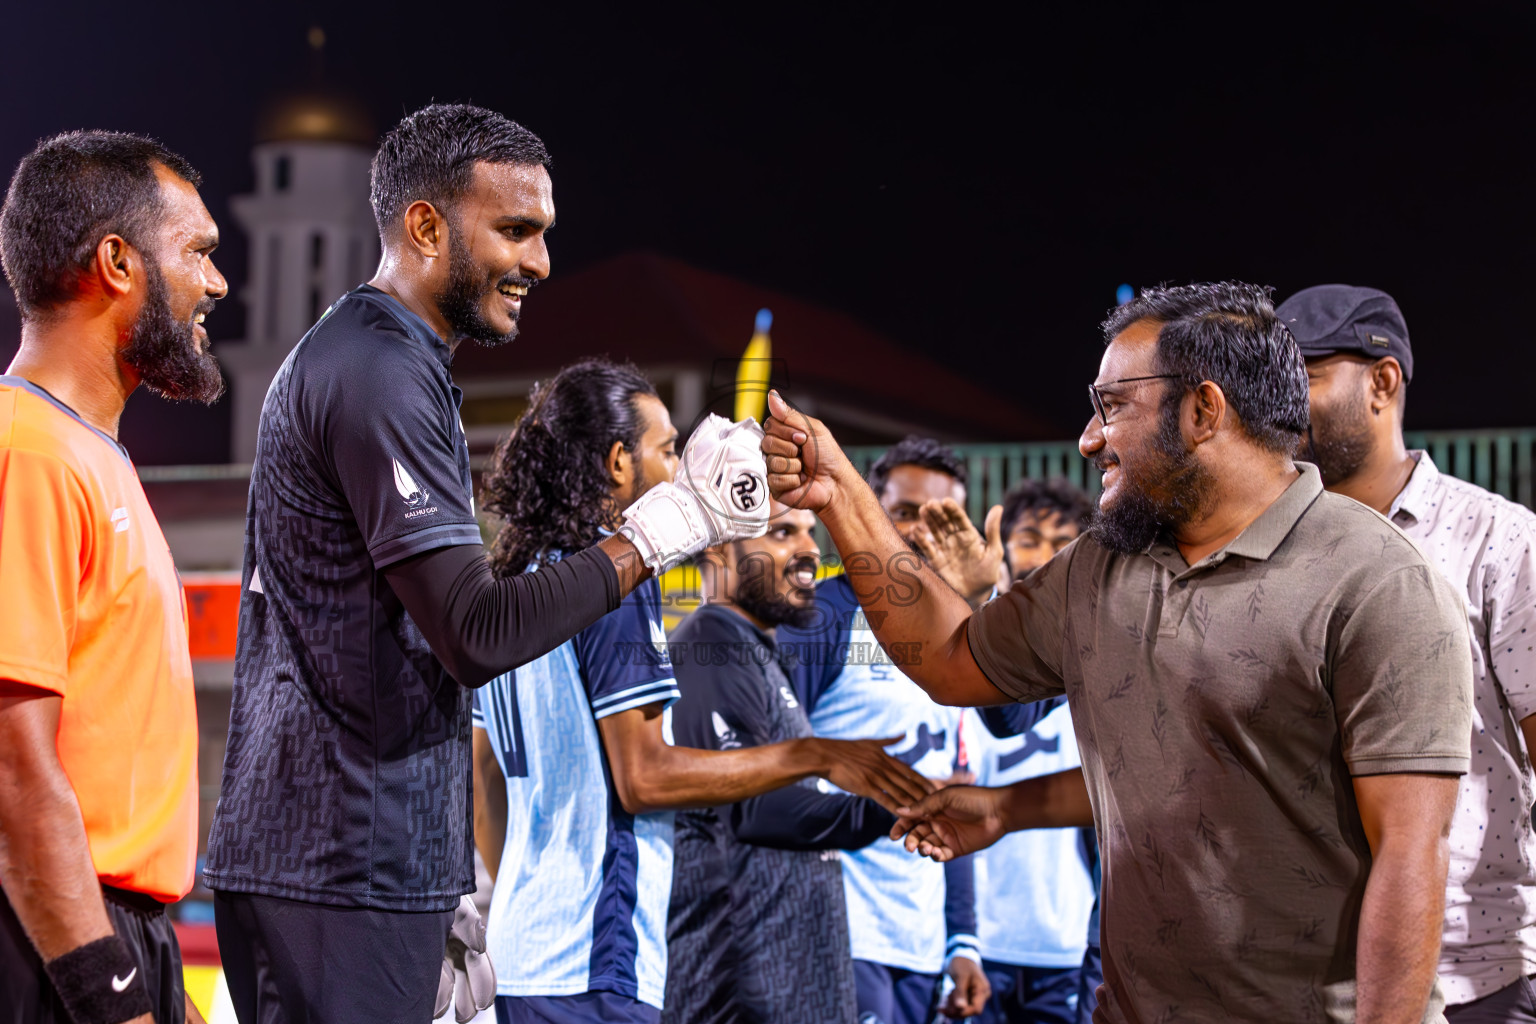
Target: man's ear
1204,412
426,229
116,265
620,465
1386,382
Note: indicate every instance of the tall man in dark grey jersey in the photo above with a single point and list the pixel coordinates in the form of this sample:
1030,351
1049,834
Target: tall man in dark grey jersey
343,835
1269,683
1359,363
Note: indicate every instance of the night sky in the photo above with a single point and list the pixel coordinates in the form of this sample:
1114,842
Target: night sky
974,186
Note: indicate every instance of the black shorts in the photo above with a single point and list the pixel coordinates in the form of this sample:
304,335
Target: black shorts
28,997
288,961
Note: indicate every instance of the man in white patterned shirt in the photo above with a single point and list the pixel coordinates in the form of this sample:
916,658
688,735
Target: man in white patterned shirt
1358,364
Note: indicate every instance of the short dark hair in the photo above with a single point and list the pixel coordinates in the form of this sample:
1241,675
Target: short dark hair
431,155
68,194
548,480
913,450
1043,497
1228,334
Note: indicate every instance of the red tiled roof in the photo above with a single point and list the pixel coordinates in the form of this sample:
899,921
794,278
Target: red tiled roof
657,311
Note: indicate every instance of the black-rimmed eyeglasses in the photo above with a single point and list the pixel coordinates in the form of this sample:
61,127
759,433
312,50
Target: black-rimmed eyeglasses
1098,399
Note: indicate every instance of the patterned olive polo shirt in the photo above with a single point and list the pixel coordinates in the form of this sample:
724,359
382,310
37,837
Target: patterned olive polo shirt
1222,710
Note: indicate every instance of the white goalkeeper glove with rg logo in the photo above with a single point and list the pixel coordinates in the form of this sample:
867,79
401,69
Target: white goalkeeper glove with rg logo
720,494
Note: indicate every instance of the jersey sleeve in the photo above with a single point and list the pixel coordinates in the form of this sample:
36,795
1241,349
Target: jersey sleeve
725,698
1402,677
1018,639
801,817
389,436
727,704
44,540
960,909
814,654
624,658
1017,719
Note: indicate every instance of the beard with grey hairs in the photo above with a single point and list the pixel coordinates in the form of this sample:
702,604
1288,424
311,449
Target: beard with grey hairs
164,352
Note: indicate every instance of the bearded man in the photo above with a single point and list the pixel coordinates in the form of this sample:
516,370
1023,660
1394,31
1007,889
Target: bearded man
1359,363
109,251
1270,686
343,837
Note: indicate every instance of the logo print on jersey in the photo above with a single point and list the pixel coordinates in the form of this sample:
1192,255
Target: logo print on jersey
1033,744
659,641
746,491
926,741
409,489
724,733
120,520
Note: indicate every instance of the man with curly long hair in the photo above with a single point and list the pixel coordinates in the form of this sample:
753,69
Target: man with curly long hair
575,780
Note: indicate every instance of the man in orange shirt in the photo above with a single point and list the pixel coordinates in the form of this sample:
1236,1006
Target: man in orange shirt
107,246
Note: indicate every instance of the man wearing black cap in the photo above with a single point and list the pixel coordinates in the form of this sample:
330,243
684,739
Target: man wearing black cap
1358,366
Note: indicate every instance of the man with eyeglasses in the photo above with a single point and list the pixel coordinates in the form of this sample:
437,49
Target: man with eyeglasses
1359,363
1270,685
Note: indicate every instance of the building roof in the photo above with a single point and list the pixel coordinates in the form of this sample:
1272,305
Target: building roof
657,311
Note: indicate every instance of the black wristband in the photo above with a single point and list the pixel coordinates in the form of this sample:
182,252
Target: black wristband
99,982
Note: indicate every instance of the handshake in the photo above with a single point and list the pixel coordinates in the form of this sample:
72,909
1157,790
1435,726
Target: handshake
720,494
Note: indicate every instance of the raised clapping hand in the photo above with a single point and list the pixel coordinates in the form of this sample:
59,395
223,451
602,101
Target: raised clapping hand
862,767
961,556
806,468
952,822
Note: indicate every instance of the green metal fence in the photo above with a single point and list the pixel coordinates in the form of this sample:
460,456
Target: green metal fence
1502,461
993,469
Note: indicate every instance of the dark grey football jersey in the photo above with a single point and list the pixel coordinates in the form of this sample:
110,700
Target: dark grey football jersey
756,934
346,779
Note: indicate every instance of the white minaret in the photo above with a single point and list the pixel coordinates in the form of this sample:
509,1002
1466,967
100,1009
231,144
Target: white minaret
312,238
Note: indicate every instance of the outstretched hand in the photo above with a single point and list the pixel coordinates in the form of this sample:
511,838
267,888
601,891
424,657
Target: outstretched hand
862,767
804,462
952,822
971,992
954,549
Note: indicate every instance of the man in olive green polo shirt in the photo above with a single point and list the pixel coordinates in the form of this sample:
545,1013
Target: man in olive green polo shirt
1270,686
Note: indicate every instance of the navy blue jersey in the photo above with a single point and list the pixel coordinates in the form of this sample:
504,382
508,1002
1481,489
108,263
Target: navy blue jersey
346,778
758,933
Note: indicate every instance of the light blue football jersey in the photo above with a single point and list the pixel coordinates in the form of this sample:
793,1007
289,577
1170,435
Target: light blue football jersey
1034,889
581,896
853,691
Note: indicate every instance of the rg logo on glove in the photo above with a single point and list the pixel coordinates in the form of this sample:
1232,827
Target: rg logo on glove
746,491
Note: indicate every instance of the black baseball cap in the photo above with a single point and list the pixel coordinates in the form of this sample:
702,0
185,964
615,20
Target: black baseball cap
1343,318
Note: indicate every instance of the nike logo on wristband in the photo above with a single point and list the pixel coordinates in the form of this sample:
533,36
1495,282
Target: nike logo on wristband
121,984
